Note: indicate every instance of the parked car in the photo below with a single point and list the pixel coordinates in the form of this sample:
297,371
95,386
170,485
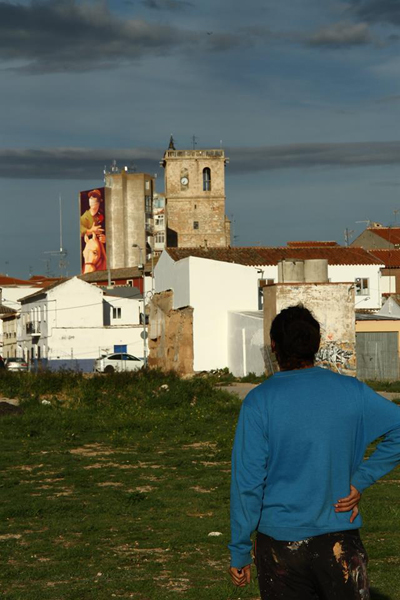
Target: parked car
120,361
16,364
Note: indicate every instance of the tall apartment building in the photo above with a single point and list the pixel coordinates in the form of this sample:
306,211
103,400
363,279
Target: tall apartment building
160,223
129,217
195,198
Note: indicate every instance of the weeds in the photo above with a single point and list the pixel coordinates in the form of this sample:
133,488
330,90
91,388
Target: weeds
111,488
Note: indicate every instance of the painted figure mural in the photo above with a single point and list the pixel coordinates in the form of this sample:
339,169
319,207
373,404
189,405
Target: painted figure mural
92,230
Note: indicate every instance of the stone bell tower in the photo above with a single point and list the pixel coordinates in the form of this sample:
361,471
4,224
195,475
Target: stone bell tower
195,198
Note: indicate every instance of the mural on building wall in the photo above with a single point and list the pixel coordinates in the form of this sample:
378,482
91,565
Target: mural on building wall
92,230
339,357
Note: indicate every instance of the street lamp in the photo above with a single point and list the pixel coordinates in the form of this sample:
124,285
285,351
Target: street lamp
142,266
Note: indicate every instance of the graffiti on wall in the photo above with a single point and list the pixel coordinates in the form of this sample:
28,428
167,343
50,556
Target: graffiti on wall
334,356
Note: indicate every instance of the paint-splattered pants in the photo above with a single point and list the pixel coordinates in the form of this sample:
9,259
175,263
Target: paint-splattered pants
327,567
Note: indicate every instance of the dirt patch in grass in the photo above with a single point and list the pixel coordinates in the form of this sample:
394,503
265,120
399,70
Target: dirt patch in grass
200,446
201,490
92,450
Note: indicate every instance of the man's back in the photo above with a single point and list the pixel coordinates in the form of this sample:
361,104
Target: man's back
300,442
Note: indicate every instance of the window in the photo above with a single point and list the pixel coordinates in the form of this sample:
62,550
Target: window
147,184
116,312
207,179
158,202
362,286
159,221
129,282
160,237
195,224
148,204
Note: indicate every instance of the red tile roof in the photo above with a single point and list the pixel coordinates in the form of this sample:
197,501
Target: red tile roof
390,234
389,256
259,256
6,280
311,244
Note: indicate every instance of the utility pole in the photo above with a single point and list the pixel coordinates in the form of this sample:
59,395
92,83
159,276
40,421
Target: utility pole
143,267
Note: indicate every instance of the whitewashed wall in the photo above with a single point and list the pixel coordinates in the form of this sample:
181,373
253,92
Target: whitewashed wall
216,288
92,342
349,273
130,310
388,284
246,343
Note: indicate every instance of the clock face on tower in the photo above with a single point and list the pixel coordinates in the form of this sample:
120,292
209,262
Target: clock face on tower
184,180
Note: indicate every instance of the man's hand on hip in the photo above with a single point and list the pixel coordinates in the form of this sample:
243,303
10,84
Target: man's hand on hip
240,577
348,503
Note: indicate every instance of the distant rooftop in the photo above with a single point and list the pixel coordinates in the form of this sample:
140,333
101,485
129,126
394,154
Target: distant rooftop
390,234
311,244
13,281
262,256
389,256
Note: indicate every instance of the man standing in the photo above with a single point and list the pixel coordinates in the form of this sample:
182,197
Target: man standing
298,471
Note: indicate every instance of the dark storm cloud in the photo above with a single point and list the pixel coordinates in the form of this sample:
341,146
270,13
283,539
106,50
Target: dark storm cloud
174,5
378,11
64,35
72,163
338,35
247,160
341,35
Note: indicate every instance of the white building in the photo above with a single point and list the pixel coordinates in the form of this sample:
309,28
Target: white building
160,223
221,283
11,289
212,288
72,323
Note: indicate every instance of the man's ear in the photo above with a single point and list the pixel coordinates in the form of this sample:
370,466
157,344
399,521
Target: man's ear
273,346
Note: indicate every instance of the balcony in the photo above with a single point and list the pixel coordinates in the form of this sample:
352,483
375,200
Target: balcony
33,329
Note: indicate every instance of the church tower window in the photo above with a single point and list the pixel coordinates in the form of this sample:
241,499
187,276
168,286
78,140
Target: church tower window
207,179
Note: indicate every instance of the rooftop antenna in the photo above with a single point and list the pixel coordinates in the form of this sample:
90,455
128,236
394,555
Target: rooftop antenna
367,221
62,252
348,234
395,215
194,142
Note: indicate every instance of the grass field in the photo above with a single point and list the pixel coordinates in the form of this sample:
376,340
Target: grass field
111,488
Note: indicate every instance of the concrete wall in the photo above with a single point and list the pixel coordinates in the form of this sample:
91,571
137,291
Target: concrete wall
246,343
333,306
370,241
125,217
170,335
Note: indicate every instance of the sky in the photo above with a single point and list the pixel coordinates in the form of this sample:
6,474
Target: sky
303,95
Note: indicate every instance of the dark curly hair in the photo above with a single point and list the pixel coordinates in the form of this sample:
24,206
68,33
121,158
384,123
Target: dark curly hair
296,336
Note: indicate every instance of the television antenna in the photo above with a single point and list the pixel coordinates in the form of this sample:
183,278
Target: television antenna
62,252
348,234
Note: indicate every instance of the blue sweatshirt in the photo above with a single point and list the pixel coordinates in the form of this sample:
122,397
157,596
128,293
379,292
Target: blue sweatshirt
299,443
